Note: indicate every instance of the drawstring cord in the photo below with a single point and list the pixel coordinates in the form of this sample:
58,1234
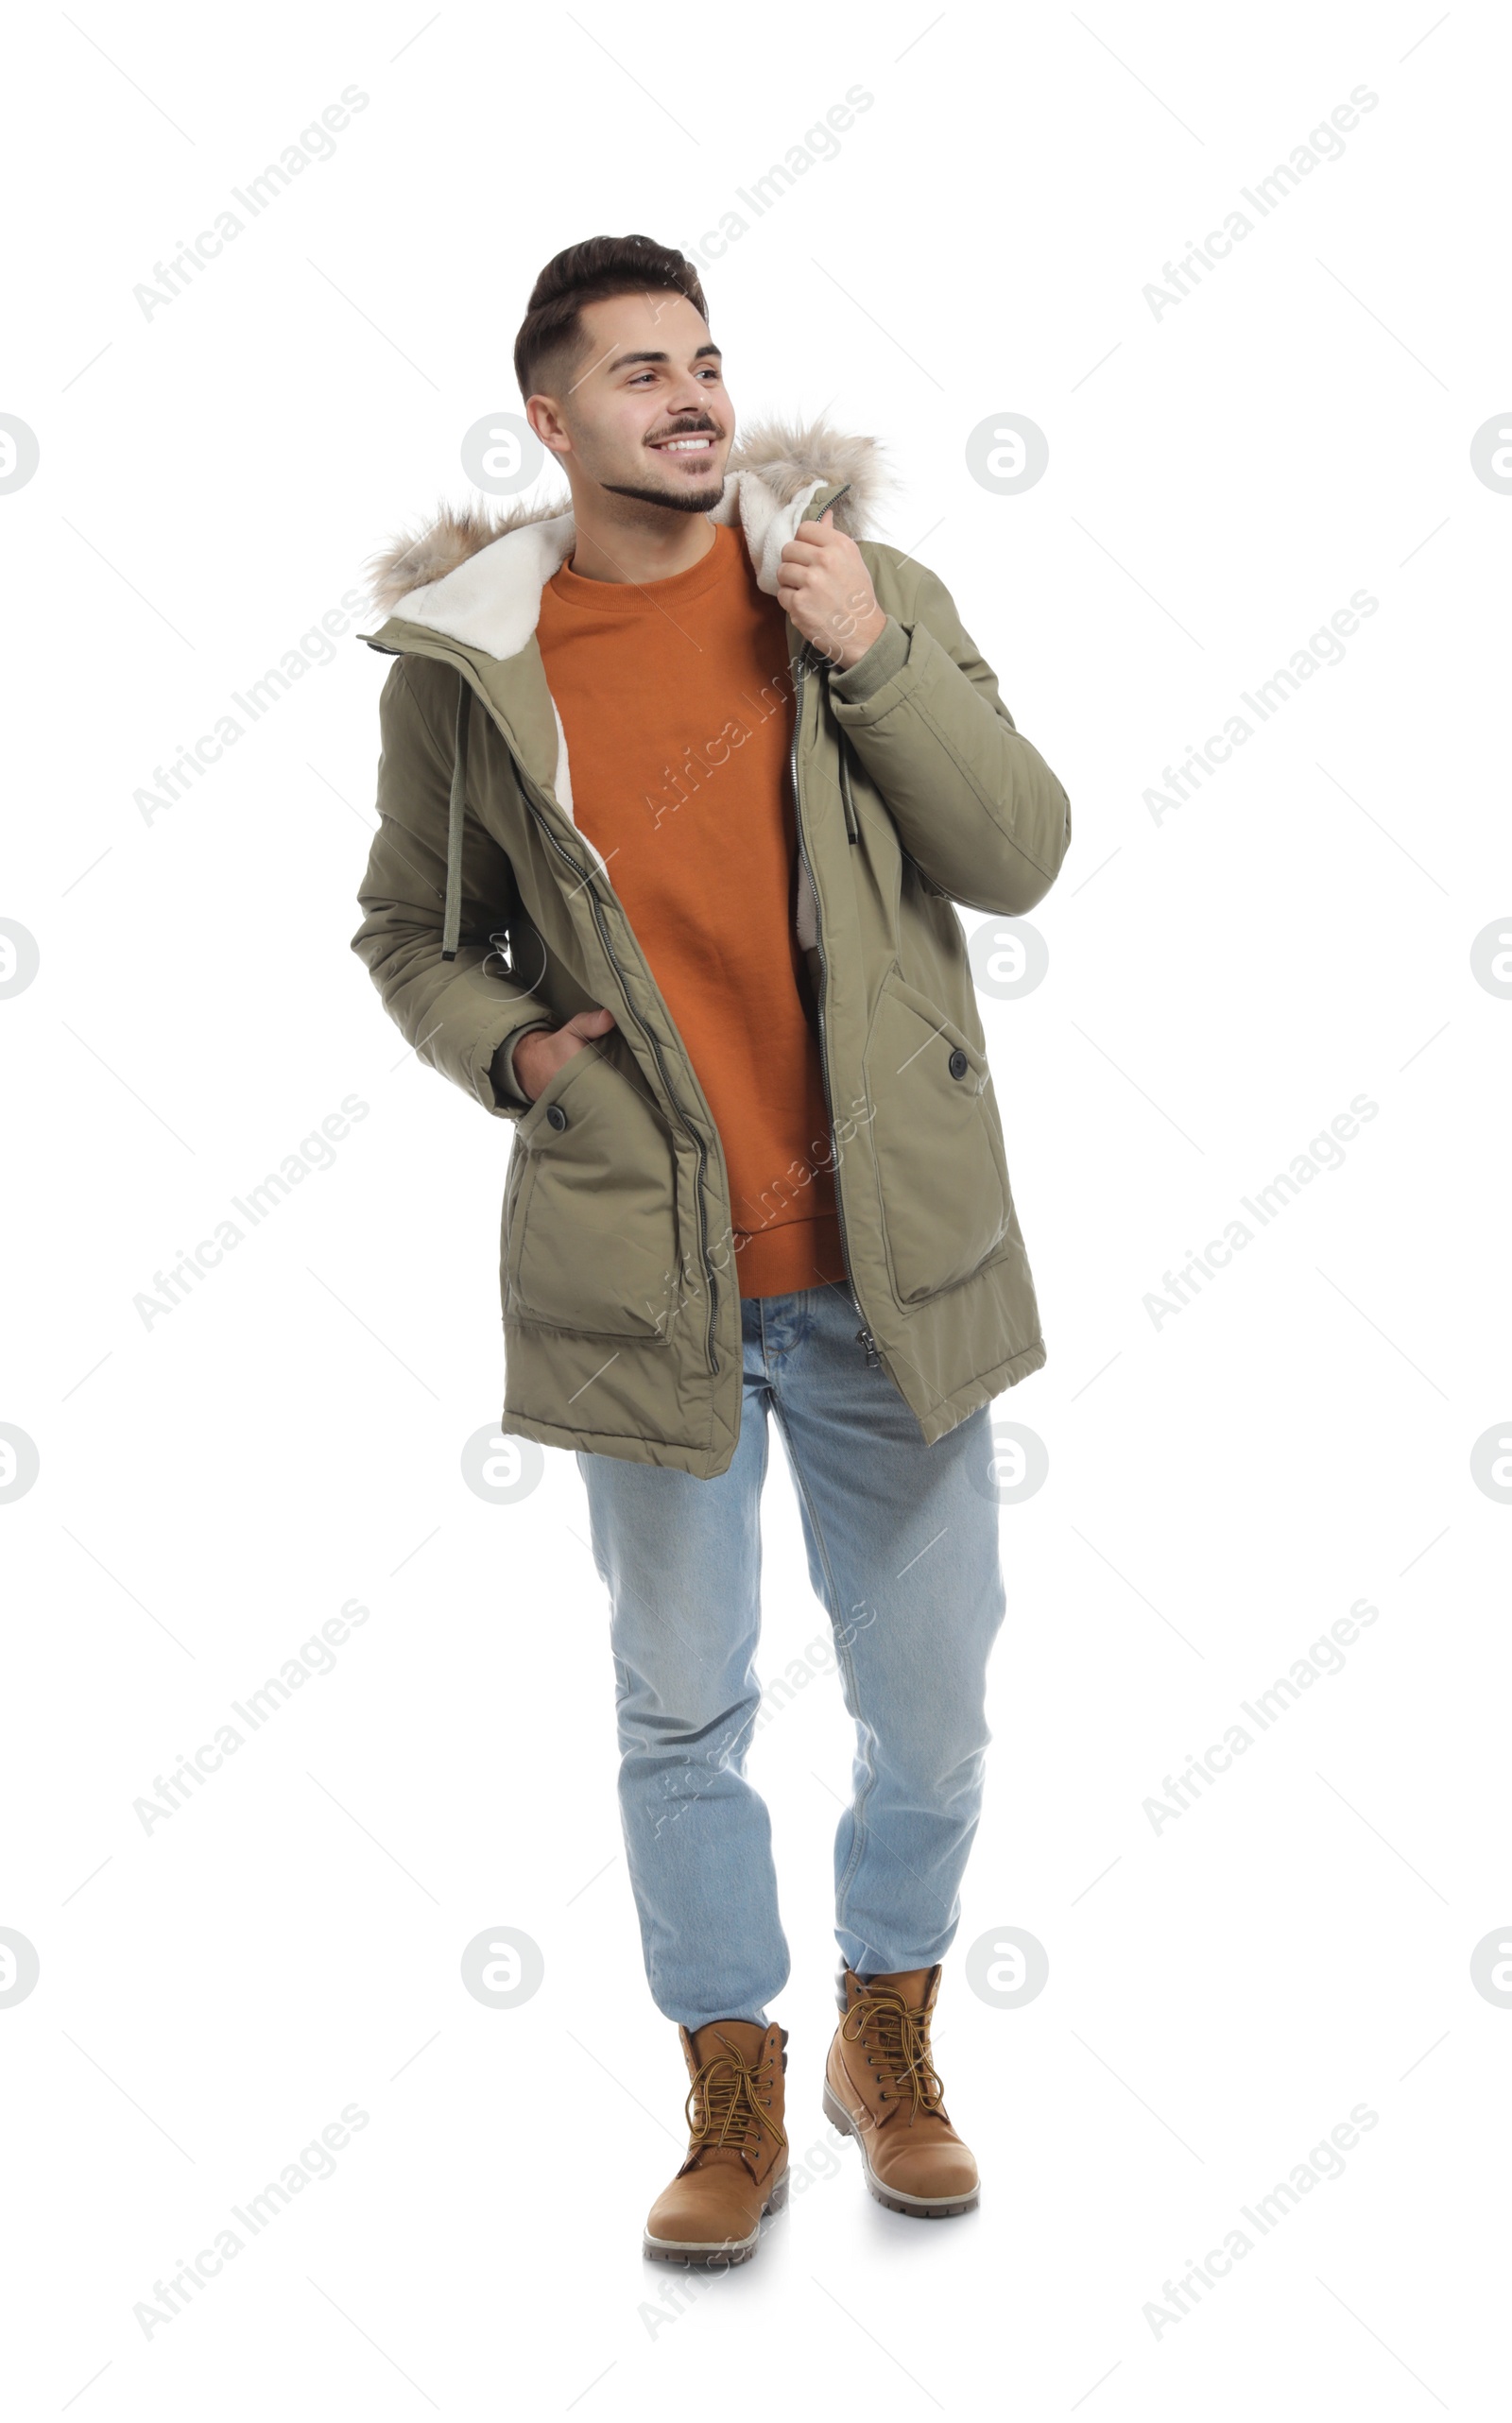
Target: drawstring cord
452,924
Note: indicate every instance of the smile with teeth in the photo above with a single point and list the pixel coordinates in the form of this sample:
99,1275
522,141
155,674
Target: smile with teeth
699,444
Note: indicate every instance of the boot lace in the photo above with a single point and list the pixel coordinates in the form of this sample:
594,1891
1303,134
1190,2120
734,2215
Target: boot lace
900,2037
722,2107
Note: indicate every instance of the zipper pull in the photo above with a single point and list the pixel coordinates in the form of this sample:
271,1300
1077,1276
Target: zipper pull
864,1337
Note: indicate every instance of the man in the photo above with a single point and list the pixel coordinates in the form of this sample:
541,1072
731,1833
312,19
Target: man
678,786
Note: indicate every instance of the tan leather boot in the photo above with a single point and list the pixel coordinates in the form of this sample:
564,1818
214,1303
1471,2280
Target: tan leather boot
737,2169
881,2088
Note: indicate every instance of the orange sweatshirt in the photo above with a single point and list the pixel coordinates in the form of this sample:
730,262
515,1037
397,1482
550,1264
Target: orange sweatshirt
677,701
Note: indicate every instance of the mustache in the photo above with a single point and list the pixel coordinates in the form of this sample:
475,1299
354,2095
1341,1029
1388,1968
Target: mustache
687,429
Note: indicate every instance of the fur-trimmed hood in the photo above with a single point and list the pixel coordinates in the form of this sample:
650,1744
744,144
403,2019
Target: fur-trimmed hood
477,571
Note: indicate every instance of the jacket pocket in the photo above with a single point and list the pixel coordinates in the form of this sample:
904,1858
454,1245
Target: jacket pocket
589,1220
942,1178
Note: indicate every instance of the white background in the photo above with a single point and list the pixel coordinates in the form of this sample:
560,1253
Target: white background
1221,1488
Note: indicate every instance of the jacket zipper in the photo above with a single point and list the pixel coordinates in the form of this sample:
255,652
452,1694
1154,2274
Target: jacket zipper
801,665
586,883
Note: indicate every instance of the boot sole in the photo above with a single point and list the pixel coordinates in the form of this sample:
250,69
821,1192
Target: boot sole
715,2253
896,2199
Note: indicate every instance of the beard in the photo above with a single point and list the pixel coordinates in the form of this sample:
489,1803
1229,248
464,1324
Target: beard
682,500
676,499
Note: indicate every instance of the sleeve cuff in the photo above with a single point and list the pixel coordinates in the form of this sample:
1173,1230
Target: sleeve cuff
506,1093
883,660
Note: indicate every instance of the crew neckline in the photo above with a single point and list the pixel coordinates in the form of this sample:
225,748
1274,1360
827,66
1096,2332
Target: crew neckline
630,598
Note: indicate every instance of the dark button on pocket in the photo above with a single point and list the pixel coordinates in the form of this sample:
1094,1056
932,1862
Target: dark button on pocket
556,1117
959,1064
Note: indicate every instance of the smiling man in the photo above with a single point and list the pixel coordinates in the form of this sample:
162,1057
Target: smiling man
678,785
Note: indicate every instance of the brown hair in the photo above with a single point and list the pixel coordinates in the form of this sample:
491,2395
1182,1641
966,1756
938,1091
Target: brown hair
551,337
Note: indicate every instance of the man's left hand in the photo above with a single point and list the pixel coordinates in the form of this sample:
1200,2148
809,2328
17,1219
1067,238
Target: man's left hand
823,584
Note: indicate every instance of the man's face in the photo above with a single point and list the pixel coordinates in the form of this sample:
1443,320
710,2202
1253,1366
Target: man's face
645,413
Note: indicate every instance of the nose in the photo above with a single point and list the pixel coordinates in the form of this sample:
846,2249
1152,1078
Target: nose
688,403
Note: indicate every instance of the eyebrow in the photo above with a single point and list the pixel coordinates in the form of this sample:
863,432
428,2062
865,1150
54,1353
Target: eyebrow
621,360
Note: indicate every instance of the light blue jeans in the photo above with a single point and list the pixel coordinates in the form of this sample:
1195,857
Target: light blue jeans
902,1548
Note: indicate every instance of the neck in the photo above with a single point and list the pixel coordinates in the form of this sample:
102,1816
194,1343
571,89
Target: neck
621,538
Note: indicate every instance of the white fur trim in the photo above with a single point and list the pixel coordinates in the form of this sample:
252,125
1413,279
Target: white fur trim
785,456
492,601
484,590
769,526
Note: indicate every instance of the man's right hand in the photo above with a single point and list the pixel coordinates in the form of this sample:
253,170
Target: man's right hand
538,1056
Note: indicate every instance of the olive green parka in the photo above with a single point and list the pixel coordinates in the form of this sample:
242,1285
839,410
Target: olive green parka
486,911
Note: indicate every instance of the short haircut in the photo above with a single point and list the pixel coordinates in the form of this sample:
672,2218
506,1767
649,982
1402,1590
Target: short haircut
552,342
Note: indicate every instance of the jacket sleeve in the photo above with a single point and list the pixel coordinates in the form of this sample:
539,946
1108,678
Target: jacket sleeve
456,1013
976,807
